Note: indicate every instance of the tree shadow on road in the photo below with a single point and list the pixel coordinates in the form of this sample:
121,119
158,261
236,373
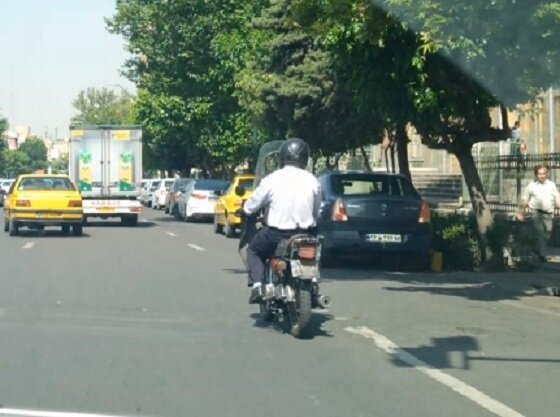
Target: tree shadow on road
454,352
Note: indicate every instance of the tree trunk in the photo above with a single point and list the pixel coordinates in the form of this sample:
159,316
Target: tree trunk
392,154
484,219
366,158
402,150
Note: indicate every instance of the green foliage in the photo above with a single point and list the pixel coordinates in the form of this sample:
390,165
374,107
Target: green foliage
102,106
36,150
186,54
15,163
455,236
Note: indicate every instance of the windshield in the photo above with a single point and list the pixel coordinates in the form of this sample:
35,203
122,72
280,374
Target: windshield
212,185
371,185
268,160
46,184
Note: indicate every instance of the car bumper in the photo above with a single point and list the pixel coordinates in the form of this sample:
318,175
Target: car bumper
52,217
353,241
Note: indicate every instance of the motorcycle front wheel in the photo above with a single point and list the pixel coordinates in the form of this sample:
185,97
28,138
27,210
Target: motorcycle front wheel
299,312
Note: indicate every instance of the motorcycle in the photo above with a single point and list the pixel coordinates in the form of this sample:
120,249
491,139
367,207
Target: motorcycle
290,287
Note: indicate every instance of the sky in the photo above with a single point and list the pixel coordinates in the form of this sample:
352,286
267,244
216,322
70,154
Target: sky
50,50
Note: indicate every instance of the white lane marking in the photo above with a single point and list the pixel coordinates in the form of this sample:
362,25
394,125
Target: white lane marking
196,247
531,308
39,413
171,234
449,381
28,245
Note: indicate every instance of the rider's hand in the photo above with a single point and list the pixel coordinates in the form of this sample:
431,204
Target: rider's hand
240,213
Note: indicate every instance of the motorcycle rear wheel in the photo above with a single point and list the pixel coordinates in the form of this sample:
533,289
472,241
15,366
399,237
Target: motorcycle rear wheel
299,312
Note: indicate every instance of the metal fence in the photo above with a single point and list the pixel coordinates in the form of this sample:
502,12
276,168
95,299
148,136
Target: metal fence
504,177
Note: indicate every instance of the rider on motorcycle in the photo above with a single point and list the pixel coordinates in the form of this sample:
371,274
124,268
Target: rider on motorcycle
291,199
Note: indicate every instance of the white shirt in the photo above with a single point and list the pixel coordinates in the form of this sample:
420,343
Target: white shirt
542,196
291,196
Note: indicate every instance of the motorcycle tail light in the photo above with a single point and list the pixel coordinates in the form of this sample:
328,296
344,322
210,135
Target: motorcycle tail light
277,265
339,211
307,252
424,213
75,203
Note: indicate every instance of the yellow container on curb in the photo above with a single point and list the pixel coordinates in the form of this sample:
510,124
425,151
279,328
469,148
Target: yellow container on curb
436,261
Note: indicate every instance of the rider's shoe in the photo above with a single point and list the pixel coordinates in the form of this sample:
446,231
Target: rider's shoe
256,293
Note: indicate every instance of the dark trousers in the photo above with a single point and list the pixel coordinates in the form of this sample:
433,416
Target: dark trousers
262,247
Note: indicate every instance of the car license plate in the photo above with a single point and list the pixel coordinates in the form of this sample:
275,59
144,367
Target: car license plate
105,209
48,215
376,237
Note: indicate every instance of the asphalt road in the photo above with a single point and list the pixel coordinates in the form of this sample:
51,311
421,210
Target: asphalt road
154,321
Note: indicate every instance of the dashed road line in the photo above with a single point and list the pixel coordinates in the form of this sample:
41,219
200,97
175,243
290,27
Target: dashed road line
171,234
196,247
449,381
28,245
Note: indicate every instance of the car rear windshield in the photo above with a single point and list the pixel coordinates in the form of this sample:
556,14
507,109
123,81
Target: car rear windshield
46,183
211,185
349,185
247,183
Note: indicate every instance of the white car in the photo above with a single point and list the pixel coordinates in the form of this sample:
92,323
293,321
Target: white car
199,199
160,193
5,184
147,190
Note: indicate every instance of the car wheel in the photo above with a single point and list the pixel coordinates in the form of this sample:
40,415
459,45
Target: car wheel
217,227
65,229
229,230
166,210
77,229
13,227
129,220
176,212
6,224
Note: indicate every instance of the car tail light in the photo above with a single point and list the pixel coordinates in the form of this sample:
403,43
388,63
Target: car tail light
23,203
75,203
277,265
136,209
339,211
424,213
308,252
199,196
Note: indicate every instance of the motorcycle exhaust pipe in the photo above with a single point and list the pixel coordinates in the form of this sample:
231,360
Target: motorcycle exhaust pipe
324,301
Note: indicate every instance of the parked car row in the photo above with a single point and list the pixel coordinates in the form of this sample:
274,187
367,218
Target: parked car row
360,213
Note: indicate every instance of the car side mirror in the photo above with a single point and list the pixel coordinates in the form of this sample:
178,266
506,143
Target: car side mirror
239,191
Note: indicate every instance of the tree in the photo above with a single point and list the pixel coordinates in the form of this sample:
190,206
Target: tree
36,151
16,163
102,106
474,60
3,144
292,89
185,57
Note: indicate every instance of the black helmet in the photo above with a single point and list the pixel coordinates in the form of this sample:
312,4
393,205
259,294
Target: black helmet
294,151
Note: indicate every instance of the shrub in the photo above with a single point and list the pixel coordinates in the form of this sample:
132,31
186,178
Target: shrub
456,237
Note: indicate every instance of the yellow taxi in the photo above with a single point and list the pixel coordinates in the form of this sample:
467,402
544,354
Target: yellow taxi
225,219
36,201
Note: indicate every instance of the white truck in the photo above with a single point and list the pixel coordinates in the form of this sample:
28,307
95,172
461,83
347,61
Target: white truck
105,163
